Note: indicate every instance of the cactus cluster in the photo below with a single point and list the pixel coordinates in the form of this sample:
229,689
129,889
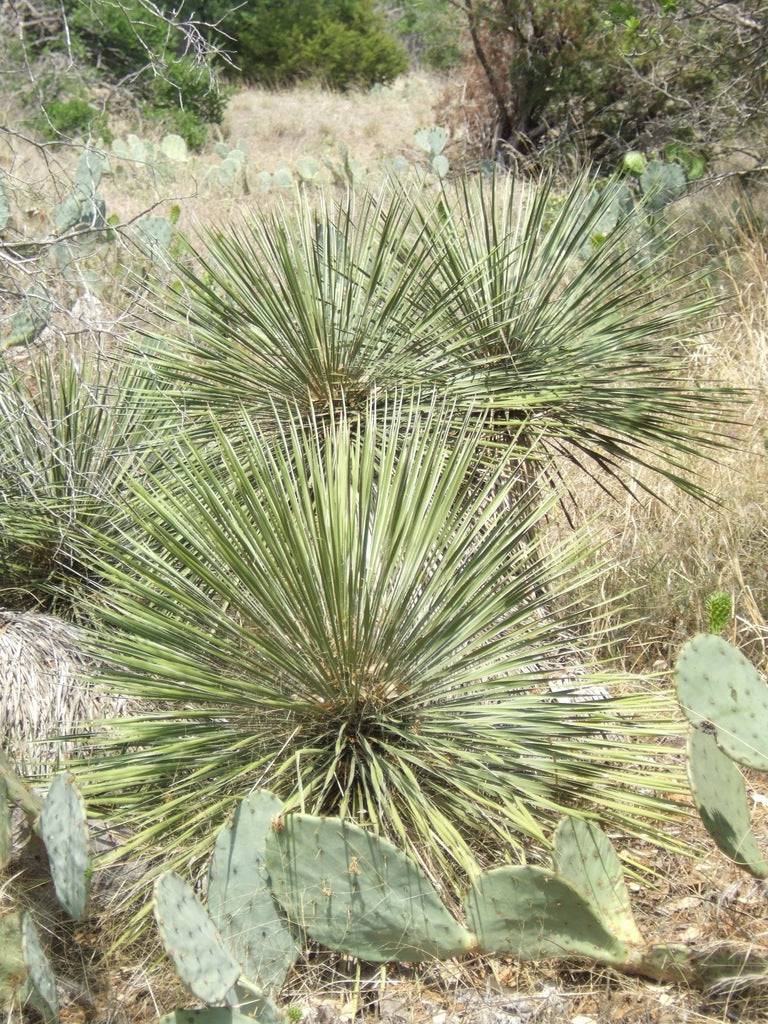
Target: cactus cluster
276,878
725,699
25,970
80,230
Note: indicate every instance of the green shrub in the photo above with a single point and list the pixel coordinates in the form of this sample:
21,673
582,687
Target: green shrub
71,118
344,43
186,99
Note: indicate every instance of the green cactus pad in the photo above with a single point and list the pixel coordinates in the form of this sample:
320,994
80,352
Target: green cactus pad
662,183
191,940
532,914
64,830
210,1015
40,976
18,792
358,894
586,859
717,686
5,824
721,800
13,971
240,899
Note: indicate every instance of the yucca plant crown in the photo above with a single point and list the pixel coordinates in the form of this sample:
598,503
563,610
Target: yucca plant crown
71,433
354,615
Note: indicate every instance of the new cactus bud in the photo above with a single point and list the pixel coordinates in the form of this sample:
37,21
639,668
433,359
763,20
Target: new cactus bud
719,611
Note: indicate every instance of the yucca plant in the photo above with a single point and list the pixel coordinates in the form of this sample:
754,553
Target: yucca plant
577,315
504,295
307,304
352,614
71,432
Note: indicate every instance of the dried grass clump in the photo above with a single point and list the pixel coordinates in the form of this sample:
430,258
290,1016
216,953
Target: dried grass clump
45,692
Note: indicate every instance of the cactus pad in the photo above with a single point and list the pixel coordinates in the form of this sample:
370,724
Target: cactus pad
358,894
13,972
191,940
717,686
721,800
40,976
662,183
586,859
210,1015
5,824
531,914
240,899
64,830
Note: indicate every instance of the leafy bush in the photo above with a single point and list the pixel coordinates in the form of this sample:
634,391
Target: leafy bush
70,118
185,98
430,30
343,43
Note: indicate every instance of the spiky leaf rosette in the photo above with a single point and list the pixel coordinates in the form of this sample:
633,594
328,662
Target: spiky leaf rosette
482,292
339,616
313,303
587,350
71,431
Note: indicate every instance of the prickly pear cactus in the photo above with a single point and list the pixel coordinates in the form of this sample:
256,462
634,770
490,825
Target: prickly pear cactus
358,894
5,824
662,183
240,899
64,830
432,140
191,940
719,689
174,148
30,319
40,977
531,914
721,800
154,236
18,792
13,970
585,858
210,1015
719,611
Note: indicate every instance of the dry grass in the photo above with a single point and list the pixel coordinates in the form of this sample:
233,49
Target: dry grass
45,691
673,552
278,127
